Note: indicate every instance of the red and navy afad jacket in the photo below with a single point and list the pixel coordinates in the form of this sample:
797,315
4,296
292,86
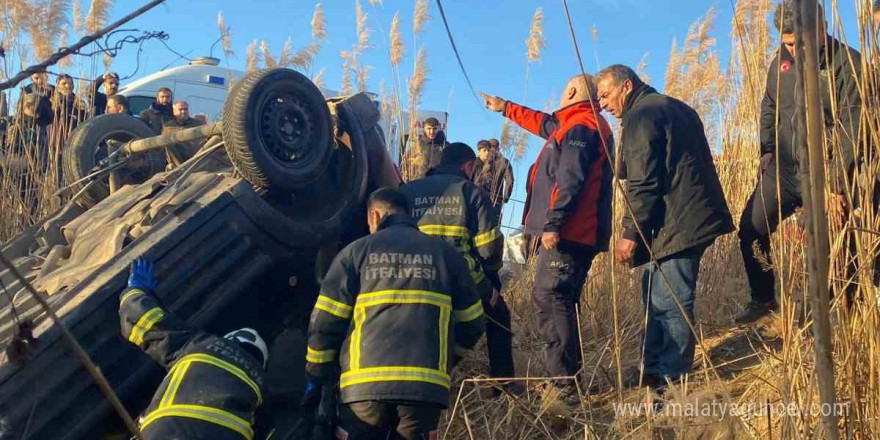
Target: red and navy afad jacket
569,188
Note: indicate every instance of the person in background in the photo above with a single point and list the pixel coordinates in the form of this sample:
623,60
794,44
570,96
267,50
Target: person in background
675,205
40,85
118,104
780,144
494,174
568,211
160,111
110,81
424,153
180,153
447,205
68,110
395,308
213,386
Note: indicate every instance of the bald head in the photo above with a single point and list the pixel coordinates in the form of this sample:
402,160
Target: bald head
578,89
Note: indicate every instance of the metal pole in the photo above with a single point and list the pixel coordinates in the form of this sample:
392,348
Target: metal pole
114,175
167,140
812,172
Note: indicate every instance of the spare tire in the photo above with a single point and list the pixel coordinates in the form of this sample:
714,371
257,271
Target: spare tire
277,130
87,146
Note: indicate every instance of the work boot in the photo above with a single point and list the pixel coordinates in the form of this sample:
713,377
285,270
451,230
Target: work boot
755,311
648,380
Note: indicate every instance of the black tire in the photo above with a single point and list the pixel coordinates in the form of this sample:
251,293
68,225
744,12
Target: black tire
321,211
277,130
87,146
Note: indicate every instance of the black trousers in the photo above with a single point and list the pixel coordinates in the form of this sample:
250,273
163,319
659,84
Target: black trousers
375,420
559,279
758,221
499,338
761,218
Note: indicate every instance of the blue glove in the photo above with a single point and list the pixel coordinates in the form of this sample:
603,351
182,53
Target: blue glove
142,275
312,394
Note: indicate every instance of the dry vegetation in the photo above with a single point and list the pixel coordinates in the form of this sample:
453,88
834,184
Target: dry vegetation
31,30
771,362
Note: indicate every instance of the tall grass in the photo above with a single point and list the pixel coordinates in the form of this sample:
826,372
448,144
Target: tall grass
31,30
771,362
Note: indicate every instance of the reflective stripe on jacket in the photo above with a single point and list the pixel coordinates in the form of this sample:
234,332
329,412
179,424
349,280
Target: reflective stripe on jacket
447,205
392,308
213,386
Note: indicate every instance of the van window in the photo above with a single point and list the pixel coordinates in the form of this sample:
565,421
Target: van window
137,104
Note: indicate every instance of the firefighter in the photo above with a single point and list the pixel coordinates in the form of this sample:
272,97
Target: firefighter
213,385
449,206
393,309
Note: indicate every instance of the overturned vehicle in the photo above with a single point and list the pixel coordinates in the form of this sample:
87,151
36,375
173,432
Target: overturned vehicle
236,232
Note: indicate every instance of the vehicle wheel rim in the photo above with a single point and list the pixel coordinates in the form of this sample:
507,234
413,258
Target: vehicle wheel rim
286,129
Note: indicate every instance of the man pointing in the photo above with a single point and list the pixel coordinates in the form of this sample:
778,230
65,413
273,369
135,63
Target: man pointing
568,205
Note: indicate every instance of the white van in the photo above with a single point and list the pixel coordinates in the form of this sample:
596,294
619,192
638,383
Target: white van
204,85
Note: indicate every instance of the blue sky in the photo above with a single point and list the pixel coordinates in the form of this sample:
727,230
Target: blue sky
490,36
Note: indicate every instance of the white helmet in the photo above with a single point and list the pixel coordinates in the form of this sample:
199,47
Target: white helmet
249,336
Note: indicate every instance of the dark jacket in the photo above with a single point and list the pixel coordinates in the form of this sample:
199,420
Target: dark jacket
449,206
67,112
181,152
213,385
672,185
423,155
495,176
156,116
99,99
392,308
839,69
569,189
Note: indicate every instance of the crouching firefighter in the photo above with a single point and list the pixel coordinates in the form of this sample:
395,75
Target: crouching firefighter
449,206
393,308
213,385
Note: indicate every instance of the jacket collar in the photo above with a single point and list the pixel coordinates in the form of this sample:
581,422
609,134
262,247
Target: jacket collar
395,220
566,113
636,95
447,169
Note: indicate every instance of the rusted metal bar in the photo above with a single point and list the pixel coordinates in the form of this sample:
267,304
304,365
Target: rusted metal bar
167,140
114,175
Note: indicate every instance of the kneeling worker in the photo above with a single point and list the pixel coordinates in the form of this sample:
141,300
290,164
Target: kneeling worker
213,386
393,307
449,206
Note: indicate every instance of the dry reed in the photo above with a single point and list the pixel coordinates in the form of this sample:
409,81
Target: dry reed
96,18
318,79
319,24
535,43
420,16
397,49
225,35
252,57
266,54
79,20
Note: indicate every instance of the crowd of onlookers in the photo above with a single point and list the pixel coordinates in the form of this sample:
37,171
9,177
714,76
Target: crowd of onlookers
35,136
